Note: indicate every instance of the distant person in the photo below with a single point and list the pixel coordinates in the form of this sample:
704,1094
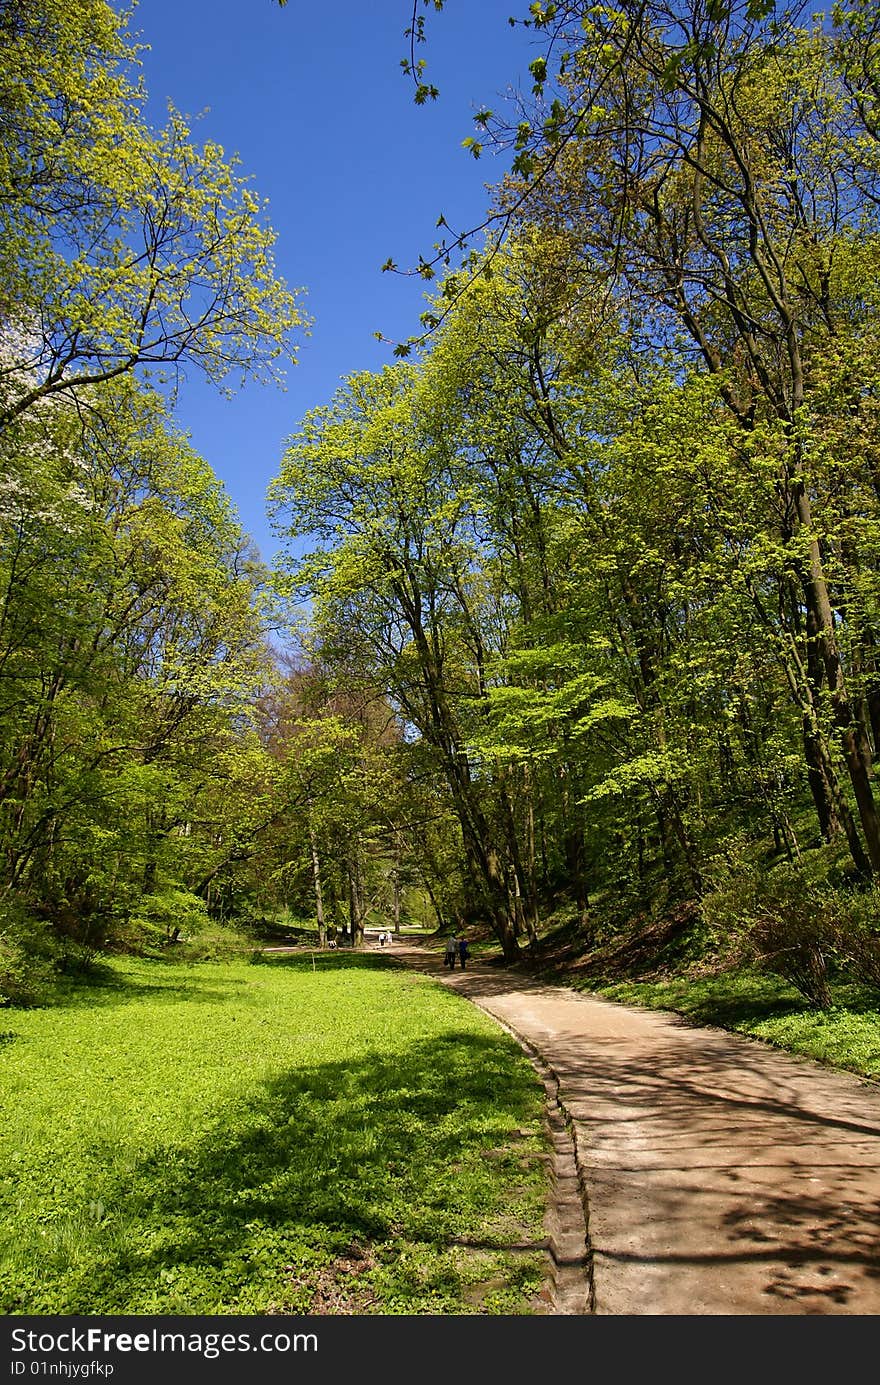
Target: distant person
451,949
382,938
463,952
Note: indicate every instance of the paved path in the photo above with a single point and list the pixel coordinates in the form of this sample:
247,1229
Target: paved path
718,1175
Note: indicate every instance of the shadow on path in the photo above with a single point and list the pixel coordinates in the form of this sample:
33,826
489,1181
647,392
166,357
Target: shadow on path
720,1176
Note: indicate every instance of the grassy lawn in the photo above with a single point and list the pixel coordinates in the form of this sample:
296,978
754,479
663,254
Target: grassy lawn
267,1138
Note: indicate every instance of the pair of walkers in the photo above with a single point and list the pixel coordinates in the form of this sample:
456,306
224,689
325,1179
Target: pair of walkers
456,947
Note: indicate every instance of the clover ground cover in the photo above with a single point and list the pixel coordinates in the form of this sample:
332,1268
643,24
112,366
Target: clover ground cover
282,1137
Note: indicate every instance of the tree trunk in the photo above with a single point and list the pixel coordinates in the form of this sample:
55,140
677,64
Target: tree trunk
319,893
525,906
355,899
856,750
395,880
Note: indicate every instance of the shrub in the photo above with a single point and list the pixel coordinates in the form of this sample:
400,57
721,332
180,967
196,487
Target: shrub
27,960
170,915
857,935
216,942
781,922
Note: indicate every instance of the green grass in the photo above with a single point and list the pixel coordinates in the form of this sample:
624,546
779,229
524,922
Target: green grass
269,1138
750,1002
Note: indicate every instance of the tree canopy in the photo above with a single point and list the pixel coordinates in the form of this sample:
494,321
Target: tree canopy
133,616
580,606
607,545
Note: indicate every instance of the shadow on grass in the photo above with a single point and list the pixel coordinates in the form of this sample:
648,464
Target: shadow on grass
102,986
368,1153
733,1011
738,1004
324,961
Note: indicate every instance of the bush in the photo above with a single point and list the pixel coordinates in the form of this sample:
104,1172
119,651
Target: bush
27,960
216,942
168,916
781,922
857,935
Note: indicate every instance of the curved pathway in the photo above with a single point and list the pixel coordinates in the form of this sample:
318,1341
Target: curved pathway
707,1173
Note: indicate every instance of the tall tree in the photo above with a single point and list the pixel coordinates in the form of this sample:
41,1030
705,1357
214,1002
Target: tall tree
129,640
717,164
368,480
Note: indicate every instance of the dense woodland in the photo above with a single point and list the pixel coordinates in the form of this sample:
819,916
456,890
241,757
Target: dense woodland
588,621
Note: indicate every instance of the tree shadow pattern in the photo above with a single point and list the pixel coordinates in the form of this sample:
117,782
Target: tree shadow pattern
394,1184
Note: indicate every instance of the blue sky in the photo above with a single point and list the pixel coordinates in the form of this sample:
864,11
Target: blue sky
313,101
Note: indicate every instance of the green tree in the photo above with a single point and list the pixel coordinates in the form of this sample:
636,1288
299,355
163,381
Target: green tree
130,645
132,615
627,509
719,166
121,247
396,576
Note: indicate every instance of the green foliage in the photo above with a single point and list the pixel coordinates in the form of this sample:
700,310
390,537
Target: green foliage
592,591
130,641
170,916
121,246
856,934
355,1126
131,612
781,922
28,958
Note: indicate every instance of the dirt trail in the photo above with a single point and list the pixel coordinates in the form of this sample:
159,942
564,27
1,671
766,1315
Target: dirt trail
698,1172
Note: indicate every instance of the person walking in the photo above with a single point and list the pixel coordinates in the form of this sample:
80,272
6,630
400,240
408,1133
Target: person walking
451,949
463,952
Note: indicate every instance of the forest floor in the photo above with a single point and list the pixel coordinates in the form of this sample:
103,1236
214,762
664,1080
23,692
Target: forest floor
697,1171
